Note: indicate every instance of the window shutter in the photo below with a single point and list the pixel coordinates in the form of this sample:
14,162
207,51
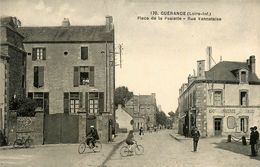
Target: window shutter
34,54
76,77
86,103
91,76
80,99
35,77
46,102
44,53
101,102
66,104
30,95
84,53
41,76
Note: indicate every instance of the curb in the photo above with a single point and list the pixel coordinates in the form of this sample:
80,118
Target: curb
112,152
175,137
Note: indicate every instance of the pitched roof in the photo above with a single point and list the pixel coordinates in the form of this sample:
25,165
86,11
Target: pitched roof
143,99
66,34
226,71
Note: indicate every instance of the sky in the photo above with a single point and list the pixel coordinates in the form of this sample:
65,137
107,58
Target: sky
158,55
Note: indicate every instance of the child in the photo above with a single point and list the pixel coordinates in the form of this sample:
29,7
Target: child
141,132
130,139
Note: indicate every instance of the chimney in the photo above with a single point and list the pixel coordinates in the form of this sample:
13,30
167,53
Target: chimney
209,54
201,68
65,22
109,23
252,63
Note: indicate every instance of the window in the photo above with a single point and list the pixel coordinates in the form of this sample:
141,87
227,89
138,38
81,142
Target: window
94,102
38,80
217,98
39,54
243,98
243,77
42,100
83,75
244,124
73,102
84,53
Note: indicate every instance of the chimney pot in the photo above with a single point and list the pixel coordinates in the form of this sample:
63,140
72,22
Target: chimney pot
65,22
109,23
252,63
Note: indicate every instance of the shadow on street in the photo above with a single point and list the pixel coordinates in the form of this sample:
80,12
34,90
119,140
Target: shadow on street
236,147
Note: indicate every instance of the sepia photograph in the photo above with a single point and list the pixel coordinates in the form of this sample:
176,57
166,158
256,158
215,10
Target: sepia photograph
129,83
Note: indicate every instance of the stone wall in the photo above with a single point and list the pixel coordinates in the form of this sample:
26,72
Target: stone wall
26,126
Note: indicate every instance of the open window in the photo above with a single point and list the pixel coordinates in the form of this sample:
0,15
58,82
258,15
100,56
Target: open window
243,98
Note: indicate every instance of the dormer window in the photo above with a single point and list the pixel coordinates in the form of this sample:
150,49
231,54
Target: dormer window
243,76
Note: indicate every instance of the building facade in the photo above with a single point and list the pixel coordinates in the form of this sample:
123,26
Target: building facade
70,70
12,67
221,101
143,109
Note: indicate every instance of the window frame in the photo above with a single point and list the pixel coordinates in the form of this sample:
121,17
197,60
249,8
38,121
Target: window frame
221,97
82,56
240,97
38,53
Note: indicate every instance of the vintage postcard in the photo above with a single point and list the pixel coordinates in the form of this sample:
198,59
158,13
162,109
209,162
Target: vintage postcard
129,83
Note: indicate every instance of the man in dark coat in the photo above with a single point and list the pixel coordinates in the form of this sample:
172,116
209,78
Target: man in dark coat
253,141
92,136
257,139
196,136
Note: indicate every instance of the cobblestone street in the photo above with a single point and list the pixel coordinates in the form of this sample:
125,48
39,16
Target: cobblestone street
163,150
63,155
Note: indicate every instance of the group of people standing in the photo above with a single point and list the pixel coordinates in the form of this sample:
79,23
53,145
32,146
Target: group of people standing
254,140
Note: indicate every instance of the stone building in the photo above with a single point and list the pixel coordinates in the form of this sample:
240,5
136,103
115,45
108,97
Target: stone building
143,109
223,100
70,71
12,66
123,119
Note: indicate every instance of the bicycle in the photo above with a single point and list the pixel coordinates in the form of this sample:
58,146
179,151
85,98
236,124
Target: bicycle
83,145
22,142
137,148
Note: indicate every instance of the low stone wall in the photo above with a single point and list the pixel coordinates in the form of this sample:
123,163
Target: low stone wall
26,126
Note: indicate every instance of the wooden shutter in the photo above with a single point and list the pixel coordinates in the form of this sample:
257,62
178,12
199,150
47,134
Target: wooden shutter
101,102
30,95
91,76
35,77
86,103
46,102
66,104
44,53
84,53
80,99
76,77
34,54
40,76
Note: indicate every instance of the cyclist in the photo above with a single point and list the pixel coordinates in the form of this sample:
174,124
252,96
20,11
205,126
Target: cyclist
92,136
130,139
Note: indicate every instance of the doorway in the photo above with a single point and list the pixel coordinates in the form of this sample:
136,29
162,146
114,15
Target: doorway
218,126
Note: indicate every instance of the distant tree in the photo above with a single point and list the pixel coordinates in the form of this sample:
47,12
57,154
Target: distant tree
161,118
122,95
171,114
24,107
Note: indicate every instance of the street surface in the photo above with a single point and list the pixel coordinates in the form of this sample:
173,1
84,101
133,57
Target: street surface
162,150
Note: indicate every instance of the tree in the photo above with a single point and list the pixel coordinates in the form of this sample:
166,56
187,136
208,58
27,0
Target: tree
24,107
122,95
161,118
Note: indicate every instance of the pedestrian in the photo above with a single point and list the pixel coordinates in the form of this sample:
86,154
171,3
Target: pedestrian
141,132
252,141
184,130
257,139
195,135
